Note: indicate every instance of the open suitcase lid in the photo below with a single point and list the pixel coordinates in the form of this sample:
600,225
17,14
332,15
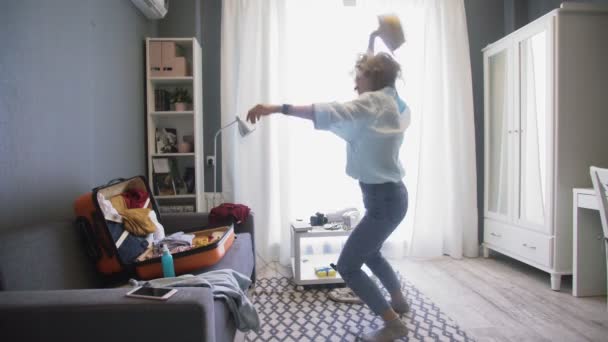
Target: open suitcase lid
117,186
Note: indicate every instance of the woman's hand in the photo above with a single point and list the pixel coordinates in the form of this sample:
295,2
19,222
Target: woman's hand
256,113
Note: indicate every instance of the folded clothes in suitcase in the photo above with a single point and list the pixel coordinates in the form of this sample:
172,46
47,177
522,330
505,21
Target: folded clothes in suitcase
123,233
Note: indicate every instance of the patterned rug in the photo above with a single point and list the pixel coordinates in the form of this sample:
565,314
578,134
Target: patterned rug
287,314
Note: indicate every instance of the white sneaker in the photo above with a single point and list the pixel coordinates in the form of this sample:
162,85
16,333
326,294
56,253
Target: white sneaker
391,331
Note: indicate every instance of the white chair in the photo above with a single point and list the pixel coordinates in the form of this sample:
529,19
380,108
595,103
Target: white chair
599,177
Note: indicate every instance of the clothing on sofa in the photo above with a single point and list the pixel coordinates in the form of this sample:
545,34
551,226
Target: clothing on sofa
159,233
117,207
131,247
177,239
229,211
137,221
225,284
109,212
135,198
118,202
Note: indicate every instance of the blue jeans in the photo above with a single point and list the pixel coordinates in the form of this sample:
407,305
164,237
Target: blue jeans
385,205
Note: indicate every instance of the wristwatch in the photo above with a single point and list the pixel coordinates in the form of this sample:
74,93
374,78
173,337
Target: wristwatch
285,108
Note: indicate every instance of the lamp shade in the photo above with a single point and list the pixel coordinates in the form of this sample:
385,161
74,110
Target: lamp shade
244,128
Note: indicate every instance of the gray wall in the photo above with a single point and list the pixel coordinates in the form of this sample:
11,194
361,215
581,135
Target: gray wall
71,102
180,21
202,19
537,8
516,14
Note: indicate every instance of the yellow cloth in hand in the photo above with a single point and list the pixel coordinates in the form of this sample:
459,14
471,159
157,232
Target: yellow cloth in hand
137,221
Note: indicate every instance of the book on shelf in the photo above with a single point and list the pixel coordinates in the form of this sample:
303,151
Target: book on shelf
162,100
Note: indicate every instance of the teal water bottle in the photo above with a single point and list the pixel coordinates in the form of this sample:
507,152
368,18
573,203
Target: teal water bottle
167,261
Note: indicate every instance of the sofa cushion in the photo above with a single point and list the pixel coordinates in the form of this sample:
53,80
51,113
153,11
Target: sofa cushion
46,256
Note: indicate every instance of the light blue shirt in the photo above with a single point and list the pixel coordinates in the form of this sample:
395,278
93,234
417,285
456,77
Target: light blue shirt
373,127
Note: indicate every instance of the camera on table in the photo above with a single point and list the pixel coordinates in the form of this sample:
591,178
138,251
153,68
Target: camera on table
318,220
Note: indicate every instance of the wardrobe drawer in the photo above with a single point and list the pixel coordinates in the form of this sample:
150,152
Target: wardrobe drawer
497,234
534,246
521,243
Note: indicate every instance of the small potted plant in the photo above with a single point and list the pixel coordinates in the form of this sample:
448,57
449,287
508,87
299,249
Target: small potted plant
181,99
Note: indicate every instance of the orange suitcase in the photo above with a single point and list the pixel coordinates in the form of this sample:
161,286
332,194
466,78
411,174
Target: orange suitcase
102,249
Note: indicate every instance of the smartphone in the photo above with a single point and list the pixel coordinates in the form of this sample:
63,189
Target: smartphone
158,293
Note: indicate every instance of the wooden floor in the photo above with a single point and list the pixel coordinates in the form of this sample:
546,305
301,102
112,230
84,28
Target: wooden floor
500,299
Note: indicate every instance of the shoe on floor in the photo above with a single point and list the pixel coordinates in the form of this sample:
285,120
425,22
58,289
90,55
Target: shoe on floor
400,307
344,295
391,331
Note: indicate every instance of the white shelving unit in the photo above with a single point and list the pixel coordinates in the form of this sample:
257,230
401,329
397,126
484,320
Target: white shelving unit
164,72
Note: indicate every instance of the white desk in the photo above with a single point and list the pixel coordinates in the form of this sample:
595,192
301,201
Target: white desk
589,255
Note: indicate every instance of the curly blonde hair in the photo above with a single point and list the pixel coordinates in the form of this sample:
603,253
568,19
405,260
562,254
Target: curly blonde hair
381,68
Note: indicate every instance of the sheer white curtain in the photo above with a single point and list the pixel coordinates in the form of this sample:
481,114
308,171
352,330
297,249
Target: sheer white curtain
302,52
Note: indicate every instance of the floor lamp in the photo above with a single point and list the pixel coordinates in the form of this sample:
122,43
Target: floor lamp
244,130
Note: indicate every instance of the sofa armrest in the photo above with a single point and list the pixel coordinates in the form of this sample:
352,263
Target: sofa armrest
106,315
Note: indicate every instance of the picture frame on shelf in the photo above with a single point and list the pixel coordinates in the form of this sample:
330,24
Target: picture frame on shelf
164,184
189,179
178,181
166,140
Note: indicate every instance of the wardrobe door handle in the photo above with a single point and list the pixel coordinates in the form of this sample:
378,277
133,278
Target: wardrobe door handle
531,247
494,234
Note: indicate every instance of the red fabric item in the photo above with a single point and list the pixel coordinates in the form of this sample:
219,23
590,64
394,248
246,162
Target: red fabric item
229,211
135,198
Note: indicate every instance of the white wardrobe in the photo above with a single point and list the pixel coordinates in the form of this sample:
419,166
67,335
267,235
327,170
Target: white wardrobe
546,122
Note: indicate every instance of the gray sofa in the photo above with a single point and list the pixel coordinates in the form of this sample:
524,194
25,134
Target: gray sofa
50,291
